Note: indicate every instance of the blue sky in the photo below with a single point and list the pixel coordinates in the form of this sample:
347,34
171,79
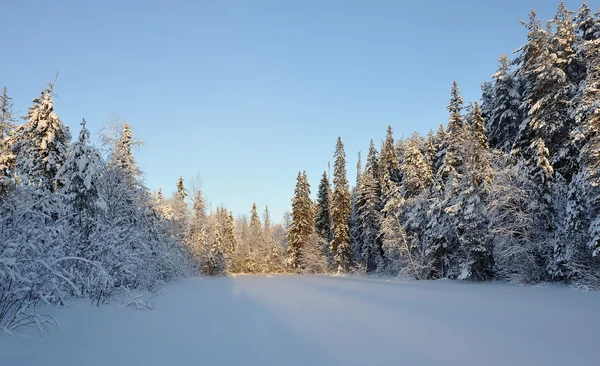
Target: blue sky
244,94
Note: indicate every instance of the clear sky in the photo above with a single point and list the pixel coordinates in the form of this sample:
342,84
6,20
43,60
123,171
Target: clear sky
246,93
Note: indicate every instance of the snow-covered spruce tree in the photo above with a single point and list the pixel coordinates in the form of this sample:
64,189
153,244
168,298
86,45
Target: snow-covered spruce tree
542,206
452,147
417,183
323,213
302,224
391,198
480,168
272,255
355,239
230,242
214,263
441,233
41,144
487,98
368,205
340,212
196,234
7,158
573,260
430,150
416,170
503,117
78,179
475,257
440,137
588,23
544,63
180,214
255,242
199,217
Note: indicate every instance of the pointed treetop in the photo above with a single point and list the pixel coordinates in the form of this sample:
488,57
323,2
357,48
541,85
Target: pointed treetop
181,190
267,218
455,108
588,23
254,218
358,169
84,134
479,126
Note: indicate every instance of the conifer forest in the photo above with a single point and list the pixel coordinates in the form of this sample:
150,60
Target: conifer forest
507,190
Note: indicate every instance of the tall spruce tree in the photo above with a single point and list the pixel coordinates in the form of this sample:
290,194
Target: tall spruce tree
303,221
323,213
544,63
42,143
479,152
369,214
503,116
340,213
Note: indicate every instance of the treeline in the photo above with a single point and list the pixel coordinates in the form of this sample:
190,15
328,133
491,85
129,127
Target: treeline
507,190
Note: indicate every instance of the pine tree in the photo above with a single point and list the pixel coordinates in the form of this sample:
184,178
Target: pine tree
323,214
7,158
302,224
340,215
42,144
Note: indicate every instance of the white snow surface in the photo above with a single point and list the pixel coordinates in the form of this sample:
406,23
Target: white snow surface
320,320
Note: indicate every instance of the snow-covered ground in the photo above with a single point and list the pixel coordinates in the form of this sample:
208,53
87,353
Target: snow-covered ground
304,320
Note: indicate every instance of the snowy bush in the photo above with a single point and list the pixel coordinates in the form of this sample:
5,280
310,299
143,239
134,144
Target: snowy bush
32,257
